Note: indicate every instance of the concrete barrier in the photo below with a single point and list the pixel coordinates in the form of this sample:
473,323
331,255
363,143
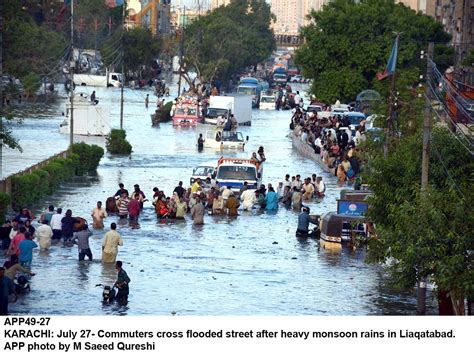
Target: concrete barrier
307,151
6,183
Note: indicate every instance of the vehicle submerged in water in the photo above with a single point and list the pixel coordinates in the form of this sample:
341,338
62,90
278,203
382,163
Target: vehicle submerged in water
346,225
187,112
222,139
234,172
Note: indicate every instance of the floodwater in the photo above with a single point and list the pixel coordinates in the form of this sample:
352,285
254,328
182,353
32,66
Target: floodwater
249,265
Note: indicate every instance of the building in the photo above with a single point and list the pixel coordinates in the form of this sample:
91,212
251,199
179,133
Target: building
152,14
217,3
291,15
424,6
181,16
457,18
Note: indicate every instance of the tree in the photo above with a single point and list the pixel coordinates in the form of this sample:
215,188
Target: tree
30,48
139,49
349,41
91,13
424,234
228,39
469,59
6,133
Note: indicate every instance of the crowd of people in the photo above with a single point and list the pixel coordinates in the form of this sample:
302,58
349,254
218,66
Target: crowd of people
332,139
17,234
205,196
18,237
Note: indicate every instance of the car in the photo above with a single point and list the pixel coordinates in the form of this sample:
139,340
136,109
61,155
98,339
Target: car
338,112
296,78
355,119
203,171
314,108
341,107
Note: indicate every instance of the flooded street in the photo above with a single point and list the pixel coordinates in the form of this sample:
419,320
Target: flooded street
249,265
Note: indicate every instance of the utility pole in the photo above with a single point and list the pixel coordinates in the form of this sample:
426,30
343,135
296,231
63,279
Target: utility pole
72,65
181,50
123,67
421,301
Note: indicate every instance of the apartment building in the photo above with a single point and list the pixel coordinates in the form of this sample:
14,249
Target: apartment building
291,15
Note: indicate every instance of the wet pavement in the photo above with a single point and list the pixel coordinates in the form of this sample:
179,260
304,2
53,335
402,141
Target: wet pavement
249,265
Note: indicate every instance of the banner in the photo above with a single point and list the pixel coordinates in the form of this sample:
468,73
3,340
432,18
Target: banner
392,62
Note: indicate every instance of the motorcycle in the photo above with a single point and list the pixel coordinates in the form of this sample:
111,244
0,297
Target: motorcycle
22,285
314,233
112,294
108,293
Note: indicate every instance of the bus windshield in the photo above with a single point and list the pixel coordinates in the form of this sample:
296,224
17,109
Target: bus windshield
247,90
189,111
240,173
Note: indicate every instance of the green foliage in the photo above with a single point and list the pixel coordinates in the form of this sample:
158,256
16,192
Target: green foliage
469,60
31,83
5,201
88,157
25,190
139,48
349,42
117,144
228,39
163,114
42,188
29,187
6,133
90,11
424,234
30,49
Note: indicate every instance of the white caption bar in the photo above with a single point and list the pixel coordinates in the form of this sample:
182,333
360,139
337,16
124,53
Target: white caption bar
233,334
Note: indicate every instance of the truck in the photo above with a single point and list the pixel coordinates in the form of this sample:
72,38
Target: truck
107,80
90,118
238,105
280,75
234,172
250,86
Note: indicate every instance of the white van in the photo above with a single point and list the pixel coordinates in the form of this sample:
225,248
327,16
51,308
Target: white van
267,101
221,139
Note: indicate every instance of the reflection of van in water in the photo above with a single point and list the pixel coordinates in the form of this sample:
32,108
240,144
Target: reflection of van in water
233,172
203,171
